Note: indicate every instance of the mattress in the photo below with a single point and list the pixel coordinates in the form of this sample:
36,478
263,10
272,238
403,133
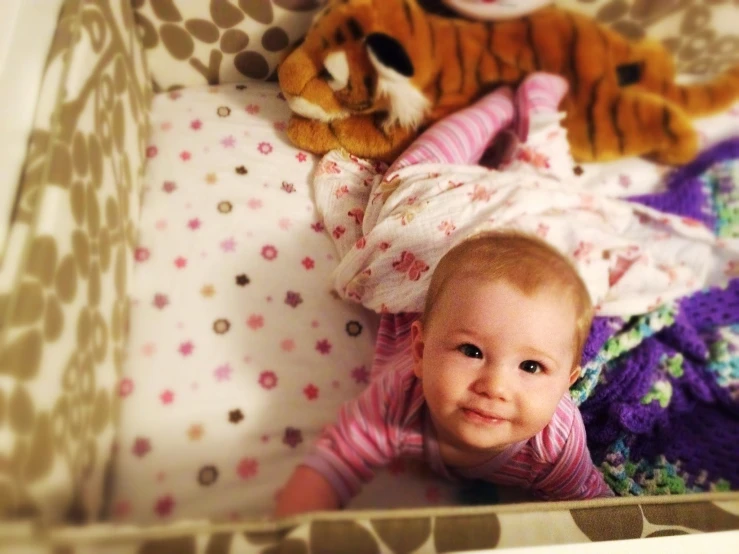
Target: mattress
239,350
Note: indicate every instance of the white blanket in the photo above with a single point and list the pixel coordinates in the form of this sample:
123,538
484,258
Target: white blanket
391,235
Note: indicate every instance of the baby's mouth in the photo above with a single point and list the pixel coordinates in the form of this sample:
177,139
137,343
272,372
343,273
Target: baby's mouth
482,416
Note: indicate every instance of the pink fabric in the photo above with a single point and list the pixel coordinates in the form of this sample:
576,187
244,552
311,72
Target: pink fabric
389,420
463,136
539,93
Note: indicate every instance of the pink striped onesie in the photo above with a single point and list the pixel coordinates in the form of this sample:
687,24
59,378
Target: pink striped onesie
464,136
389,420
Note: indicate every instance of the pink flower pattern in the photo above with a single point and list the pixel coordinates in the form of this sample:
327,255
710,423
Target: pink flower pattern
255,321
323,346
164,506
243,318
311,392
186,348
125,387
141,254
360,375
269,252
167,397
141,447
268,380
265,148
247,468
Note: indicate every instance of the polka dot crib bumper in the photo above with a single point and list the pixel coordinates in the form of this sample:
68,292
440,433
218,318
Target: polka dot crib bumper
170,344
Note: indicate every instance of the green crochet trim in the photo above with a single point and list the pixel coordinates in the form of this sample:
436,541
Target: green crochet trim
720,186
629,478
624,341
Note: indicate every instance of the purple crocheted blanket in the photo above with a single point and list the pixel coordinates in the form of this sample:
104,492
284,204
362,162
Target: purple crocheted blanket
660,393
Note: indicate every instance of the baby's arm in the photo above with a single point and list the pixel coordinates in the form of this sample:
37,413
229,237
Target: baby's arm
306,491
366,436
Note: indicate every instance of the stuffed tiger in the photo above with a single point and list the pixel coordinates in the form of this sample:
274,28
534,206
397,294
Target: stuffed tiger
370,74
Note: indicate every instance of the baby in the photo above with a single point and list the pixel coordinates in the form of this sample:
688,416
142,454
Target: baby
477,387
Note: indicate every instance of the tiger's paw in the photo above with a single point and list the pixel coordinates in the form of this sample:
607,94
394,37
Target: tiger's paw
681,151
311,135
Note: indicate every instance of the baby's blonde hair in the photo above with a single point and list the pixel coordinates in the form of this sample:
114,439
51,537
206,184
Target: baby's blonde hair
525,262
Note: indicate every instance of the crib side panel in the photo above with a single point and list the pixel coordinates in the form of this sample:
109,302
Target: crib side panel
67,263
702,36
561,526
193,42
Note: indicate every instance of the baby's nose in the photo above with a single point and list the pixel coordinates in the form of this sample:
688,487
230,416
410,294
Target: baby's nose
493,383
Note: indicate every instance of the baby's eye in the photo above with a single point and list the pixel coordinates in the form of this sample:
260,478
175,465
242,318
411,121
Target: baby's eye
530,366
470,350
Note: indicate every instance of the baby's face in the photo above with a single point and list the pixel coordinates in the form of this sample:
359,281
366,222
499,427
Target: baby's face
494,363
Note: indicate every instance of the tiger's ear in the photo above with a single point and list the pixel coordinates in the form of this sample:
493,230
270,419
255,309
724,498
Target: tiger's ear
408,104
389,53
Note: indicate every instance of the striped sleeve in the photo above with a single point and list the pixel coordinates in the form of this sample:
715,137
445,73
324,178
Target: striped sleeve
572,475
370,431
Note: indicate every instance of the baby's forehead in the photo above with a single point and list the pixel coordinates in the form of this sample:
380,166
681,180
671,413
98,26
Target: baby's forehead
479,294
468,291
541,289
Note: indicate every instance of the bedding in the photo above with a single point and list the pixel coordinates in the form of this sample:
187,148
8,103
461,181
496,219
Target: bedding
661,397
239,349
391,228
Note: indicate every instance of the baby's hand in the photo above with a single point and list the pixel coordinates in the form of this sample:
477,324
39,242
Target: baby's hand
306,491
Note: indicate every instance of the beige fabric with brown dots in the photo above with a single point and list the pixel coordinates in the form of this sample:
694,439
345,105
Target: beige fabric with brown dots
67,264
191,42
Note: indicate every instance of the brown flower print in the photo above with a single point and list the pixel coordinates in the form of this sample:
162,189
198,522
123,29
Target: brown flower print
208,475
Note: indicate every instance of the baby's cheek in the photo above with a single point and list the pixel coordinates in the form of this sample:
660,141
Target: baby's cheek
442,394
539,410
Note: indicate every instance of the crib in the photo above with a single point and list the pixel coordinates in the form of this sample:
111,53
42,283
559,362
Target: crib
170,343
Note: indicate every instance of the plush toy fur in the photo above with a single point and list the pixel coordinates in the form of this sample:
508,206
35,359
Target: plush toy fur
371,73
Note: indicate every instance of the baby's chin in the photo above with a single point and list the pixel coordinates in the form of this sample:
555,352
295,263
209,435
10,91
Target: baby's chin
478,443
480,447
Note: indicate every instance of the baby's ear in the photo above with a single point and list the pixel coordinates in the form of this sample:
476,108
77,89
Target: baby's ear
575,374
417,348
